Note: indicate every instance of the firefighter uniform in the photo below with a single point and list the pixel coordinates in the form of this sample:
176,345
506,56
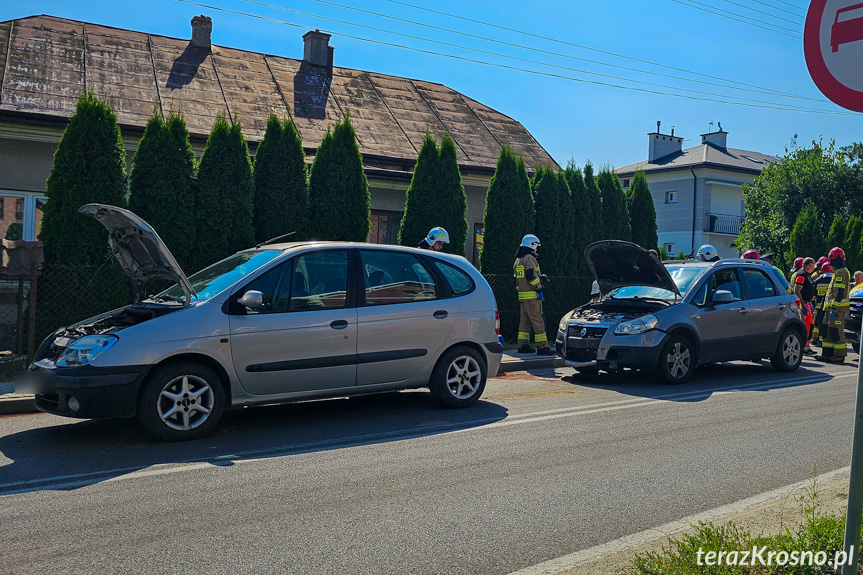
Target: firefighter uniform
822,282
527,282
836,305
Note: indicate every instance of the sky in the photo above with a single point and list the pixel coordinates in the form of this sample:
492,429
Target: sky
527,60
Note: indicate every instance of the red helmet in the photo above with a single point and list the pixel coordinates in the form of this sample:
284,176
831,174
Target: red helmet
836,253
750,255
822,260
798,263
826,269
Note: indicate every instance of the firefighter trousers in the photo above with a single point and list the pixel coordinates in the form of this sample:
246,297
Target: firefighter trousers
531,317
833,335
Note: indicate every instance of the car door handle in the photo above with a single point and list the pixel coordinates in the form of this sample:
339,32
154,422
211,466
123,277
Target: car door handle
743,310
781,306
339,324
440,314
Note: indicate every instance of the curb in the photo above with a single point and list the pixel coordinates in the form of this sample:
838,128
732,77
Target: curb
17,404
532,363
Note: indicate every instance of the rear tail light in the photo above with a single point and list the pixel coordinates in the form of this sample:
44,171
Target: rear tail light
497,322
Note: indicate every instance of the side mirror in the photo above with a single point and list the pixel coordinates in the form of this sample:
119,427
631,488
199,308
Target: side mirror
252,299
722,296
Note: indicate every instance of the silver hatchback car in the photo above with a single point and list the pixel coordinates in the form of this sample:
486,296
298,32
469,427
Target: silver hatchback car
275,323
670,317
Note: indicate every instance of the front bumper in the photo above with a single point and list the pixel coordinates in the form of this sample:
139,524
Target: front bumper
853,321
592,345
85,392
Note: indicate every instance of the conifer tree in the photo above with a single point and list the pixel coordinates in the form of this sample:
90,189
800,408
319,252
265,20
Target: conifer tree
582,213
836,235
642,213
89,166
338,189
509,213
452,209
223,195
281,195
422,201
806,237
615,217
851,244
555,225
595,232
161,183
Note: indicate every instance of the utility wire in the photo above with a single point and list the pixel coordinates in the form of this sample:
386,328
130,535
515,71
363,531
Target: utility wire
580,46
744,6
780,107
782,10
526,60
520,46
748,21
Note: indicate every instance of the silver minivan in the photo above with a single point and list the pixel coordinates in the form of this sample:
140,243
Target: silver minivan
276,323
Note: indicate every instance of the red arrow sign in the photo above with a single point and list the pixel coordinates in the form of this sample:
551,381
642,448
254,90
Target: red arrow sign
833,44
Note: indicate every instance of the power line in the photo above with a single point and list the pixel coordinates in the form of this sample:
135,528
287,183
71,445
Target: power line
498,55
781,107
748,88
580,46
782,10
744,6
748,21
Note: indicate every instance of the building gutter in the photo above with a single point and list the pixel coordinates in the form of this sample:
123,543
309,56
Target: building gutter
694,204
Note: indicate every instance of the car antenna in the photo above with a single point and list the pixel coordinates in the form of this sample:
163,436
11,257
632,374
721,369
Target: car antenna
271,240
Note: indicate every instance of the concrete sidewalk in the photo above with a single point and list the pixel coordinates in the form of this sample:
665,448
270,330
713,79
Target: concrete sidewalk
11,402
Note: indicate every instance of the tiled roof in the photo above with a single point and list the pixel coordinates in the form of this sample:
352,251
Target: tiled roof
45,63
704,155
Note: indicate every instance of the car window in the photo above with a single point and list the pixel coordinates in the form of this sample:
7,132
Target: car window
394,277
318,281
460,282
758,285
727,280
268,284
700,298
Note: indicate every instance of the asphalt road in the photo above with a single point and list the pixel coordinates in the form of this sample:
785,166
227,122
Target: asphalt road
547,464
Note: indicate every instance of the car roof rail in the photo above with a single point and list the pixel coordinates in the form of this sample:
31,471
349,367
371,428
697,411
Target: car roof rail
741,260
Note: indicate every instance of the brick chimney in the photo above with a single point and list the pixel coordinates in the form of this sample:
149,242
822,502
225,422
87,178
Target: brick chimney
202,27
317,50
662,145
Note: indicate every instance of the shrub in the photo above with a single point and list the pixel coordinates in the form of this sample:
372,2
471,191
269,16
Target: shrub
642,213
421,199
836,235
582,215
615,216
595,197
555,225
806,238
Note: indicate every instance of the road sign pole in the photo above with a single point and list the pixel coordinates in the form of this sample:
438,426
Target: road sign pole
855,489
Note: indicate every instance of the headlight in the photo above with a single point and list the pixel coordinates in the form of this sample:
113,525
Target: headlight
83,351
639,325
563,322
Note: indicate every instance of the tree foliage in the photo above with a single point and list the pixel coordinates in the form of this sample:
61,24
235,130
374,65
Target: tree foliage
223,195
555,225
436,197
851,245
509,213
594,196
160,183
836,236
89,166
582,213
615,216
642,213
806,237
338,188
281,196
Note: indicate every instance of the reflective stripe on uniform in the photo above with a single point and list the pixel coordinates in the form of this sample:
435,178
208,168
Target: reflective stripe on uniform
519,271
523,336
540,337
534,282
528,295
826,345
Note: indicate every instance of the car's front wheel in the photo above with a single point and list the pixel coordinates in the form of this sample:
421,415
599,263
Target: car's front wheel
789,352
181,401
458,379
676,360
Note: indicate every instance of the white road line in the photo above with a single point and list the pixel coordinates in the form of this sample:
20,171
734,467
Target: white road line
249,456
567,562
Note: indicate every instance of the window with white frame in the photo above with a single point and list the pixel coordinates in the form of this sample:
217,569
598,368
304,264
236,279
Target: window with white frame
669,248
670,197
20,214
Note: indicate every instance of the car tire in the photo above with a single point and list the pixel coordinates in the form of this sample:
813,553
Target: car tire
676,360
182,401
459,377
789,351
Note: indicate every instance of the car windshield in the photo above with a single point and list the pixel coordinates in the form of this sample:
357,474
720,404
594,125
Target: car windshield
211,280
684,278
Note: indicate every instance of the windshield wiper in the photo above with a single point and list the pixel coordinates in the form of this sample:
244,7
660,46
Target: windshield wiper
647,299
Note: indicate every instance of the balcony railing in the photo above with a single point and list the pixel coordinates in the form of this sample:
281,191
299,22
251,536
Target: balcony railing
722,224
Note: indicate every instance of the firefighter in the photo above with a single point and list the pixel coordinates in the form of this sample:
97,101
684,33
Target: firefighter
821,278
804,289
707,253
528,283
435,240
836,305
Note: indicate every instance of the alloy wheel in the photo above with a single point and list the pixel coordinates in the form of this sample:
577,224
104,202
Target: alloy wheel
463,377
678,360
791,349
185,402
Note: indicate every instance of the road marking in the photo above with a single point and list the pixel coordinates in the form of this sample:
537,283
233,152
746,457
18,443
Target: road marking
250,456
567,562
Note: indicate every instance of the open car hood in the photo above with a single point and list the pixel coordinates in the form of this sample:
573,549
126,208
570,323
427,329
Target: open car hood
139,249
616,263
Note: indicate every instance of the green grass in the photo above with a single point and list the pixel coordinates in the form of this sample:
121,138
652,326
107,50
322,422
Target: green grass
815,533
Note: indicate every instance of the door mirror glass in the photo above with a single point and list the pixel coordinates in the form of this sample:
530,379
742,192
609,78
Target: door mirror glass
252,299
723,296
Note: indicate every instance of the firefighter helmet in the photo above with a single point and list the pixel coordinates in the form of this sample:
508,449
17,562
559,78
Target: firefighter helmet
437,235
707,251
530,241
836,253
826,269
798,263
750,255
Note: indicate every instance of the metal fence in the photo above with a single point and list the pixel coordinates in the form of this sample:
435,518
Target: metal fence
14,309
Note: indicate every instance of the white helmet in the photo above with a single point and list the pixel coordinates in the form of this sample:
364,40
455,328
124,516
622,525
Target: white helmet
530,241
707,251
437,235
